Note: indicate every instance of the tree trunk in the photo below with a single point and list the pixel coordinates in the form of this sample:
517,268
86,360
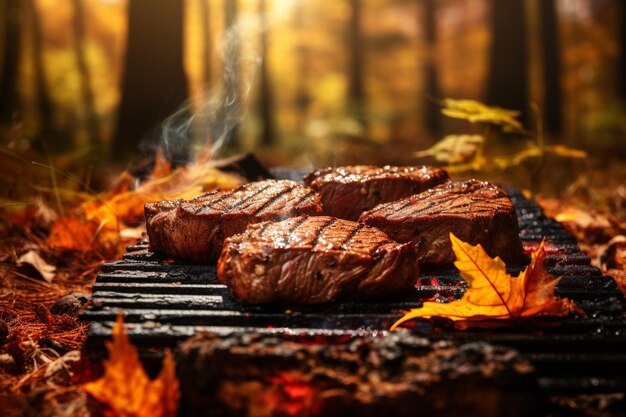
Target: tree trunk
508,75
91,123
12,21
205,23
303,97
48,132
228,121
552,115
621,68
265,90
430,109
154,83
356,90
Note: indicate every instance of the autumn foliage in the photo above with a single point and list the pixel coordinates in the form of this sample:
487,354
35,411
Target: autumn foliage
106,223
493,293
125,388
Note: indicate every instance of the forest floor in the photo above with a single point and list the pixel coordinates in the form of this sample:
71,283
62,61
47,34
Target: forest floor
44,285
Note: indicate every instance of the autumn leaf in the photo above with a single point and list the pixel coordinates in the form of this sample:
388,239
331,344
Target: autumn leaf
454,149
477,112
98,222
494,294
35,260
125,387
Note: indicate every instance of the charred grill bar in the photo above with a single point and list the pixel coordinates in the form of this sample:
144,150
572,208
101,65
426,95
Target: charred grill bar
166,302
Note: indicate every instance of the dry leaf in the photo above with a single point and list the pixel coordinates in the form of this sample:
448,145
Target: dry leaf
35,260
494,294
125,387
98,223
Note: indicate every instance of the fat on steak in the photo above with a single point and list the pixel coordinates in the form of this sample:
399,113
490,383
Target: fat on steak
350,190
315,259
194,230
477,212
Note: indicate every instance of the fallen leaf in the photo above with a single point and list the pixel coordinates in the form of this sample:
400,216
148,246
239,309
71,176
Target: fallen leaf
494,294
98,222
35,260
125,387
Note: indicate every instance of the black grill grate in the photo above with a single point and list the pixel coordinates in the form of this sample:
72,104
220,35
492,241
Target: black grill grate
165,302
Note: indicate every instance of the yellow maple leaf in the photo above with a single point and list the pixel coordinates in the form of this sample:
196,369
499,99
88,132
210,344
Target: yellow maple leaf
125,387
494,294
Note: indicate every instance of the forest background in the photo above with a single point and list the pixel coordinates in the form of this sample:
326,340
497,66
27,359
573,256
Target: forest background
301,82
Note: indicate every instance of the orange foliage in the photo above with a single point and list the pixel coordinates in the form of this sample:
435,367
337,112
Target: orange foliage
125,387
494,294
99,223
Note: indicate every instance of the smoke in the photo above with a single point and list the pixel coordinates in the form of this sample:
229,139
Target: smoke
214,122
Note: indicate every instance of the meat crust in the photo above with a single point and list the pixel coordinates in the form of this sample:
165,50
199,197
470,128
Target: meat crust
350,190
311,260
194,230
477,212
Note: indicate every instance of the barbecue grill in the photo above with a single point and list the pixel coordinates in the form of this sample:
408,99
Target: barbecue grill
166,302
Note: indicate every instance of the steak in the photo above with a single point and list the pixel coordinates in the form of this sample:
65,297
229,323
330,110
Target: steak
194,230
475,211
311,260
349,191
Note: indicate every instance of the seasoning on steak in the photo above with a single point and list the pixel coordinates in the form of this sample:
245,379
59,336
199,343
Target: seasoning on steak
310,260
349,191
475,211
194,230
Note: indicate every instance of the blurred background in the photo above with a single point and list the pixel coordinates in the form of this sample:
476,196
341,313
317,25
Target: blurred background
102,83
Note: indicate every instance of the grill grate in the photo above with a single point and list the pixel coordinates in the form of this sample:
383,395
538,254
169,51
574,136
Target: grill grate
165,302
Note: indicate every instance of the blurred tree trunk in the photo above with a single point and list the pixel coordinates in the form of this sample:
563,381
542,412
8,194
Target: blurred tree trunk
91,122
356,90
430,109
12,22
303,97
265,90
205,23
154,83
621,69
230,112
48,132
552,115
508,74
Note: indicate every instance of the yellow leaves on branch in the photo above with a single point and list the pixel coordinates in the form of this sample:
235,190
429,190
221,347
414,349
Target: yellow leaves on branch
454,149
125,387
477,112
494,294
534,151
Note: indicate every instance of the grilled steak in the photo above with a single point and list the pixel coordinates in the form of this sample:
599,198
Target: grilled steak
194,230
475,211
349,191
310,260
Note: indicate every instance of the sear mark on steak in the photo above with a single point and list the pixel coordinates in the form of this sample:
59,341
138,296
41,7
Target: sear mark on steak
349,191
477,212
311,260
194,230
